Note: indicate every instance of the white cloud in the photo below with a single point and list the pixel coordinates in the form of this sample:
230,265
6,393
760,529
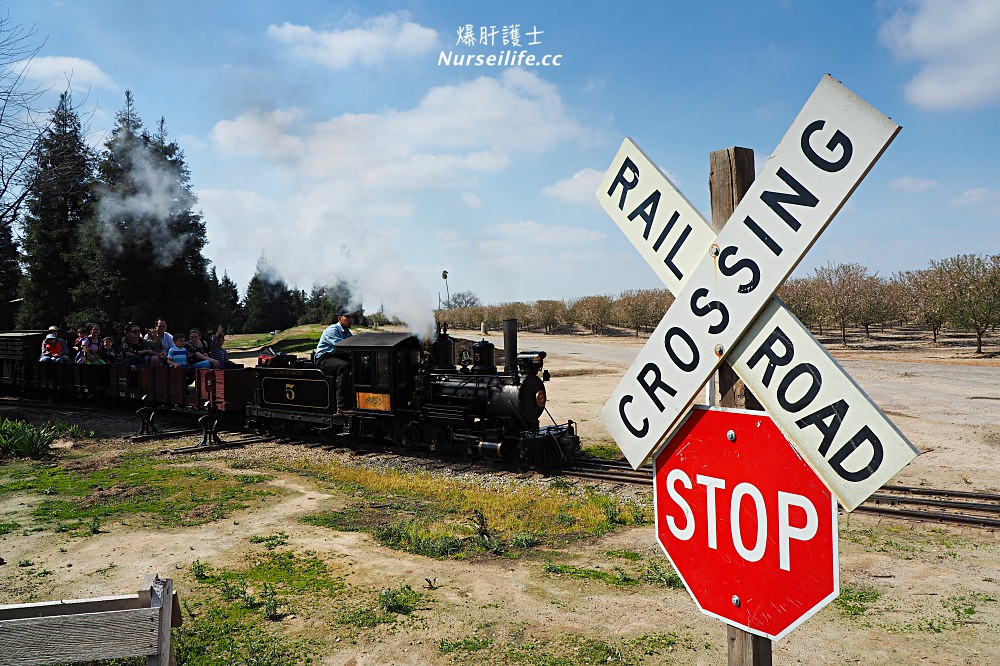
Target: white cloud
978,196
386,37
260,135
453,134
471,200
958,43
548,235
57,72
580,188
911,184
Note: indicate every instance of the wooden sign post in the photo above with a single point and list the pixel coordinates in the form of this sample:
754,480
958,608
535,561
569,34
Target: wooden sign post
730,173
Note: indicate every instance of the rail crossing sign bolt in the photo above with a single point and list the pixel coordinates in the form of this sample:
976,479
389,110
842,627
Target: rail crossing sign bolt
731,436
736,601
719,349
714,251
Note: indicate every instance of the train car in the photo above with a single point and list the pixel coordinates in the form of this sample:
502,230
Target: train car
404,393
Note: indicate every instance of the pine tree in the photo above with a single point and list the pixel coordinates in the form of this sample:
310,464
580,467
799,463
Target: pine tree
59,201
229,309
145,250
10,275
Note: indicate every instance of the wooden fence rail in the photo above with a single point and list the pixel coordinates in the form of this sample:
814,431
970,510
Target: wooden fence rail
132,625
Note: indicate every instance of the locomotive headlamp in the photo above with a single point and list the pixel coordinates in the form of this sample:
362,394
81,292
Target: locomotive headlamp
530,362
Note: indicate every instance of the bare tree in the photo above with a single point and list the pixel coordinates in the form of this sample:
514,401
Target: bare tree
973,300
21,122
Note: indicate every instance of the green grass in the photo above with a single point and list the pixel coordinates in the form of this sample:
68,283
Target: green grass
440,517
134,488
23,440
654,573
855,600
603,451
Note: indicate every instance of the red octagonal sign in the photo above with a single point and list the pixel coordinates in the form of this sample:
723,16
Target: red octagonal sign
746,522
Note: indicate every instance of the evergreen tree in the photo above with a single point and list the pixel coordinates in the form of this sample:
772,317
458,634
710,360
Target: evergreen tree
59,200
229,310
270,304
144,250
10,275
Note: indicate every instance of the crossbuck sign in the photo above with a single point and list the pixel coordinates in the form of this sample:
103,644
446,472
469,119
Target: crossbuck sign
725,306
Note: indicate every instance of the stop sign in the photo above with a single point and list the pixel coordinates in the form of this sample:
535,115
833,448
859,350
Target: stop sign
747,524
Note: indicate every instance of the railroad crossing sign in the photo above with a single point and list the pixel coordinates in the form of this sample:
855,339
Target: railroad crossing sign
747,524
725,306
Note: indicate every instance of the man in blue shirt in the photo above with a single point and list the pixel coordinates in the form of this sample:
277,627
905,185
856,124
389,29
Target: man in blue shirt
336,363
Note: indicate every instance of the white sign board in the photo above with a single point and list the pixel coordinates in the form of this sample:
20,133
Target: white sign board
839,430
829,148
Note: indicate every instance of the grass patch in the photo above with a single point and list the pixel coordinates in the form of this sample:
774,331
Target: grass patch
603,451
654,573
23,440
854,600
629,555
7,528
399,601
271,541
221,634
135,488
588,651
473,644
439,517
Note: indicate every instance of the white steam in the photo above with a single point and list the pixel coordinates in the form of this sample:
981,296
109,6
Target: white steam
146,212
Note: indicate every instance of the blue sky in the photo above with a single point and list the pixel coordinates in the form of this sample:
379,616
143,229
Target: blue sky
332,137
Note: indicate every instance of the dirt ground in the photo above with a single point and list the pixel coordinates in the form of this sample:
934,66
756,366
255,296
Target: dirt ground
937,588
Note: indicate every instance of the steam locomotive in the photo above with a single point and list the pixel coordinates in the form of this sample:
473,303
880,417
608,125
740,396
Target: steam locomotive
406,394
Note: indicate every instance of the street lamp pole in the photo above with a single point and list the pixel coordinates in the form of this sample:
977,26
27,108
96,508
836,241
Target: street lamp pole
444,276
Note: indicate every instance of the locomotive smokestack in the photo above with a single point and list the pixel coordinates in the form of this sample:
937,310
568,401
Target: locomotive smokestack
510,345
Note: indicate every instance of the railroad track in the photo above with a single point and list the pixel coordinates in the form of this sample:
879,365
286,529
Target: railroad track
894,501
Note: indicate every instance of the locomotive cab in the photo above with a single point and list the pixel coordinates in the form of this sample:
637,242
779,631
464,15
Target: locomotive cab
382,370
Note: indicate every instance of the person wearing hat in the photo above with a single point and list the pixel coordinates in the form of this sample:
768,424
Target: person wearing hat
53,350
336,363
53,332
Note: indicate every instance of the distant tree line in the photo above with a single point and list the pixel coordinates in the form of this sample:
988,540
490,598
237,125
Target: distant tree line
962,292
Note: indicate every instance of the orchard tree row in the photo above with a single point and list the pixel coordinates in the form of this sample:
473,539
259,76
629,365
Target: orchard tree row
962,292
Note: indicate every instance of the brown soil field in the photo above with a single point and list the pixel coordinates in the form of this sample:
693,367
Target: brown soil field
911,592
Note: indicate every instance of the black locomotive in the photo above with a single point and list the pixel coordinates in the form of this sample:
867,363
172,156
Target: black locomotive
406,394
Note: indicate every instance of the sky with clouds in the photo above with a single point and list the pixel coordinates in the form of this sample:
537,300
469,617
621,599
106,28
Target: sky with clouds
344,141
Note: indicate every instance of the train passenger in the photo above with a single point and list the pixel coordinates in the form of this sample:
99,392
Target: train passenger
91,342
81,333
219,353
177,354
135,350
53,350
54,330
108,352
197,351
159,334
336,363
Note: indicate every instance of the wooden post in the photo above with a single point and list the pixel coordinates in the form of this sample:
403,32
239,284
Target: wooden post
731,173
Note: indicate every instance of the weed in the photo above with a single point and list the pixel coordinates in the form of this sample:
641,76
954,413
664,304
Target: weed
965,606
22,440
199,570
220,635
402,601
560,484
630,555
617,575
271,542
7,528
662,574
603,451
71,430
854,600
236,590
525,540
94,526
464,645
271,603
365,618
25,563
